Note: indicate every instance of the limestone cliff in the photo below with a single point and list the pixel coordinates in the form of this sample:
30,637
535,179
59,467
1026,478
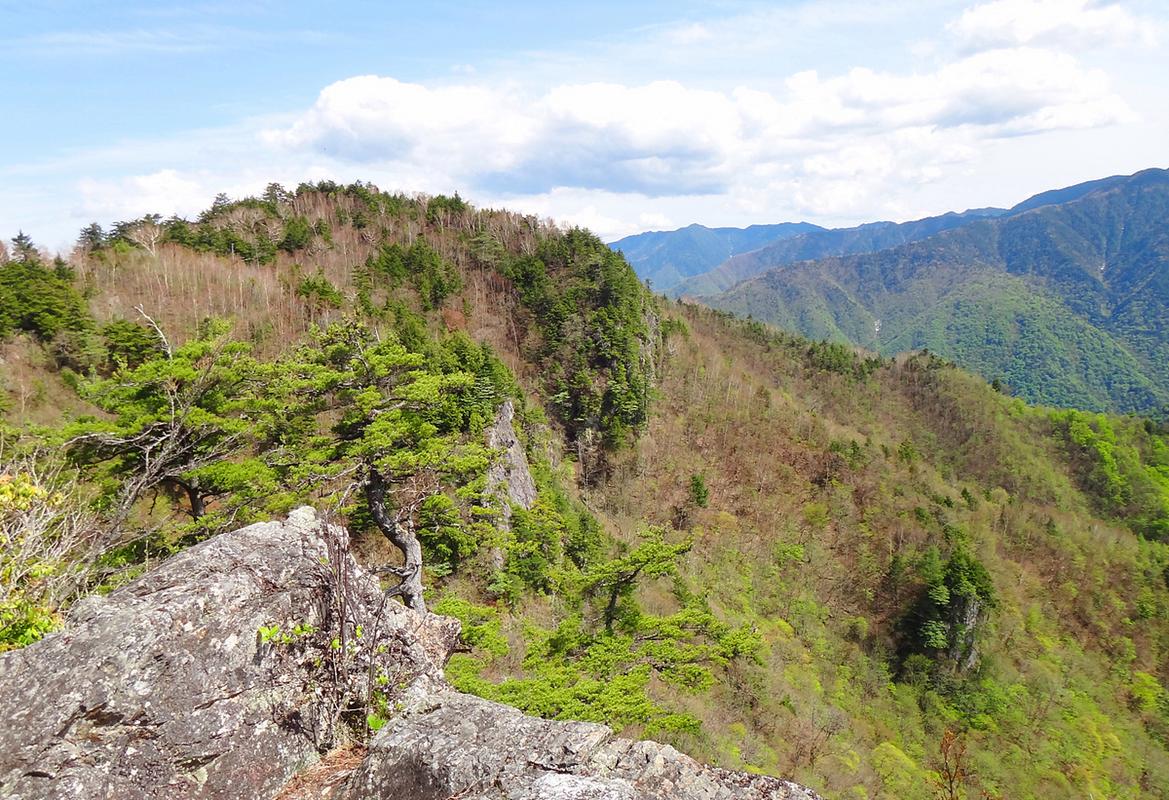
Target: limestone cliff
230,668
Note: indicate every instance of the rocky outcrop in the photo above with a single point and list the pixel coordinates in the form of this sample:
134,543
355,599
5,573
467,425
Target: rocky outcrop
230,668
509,479
445,744
167,688
509,476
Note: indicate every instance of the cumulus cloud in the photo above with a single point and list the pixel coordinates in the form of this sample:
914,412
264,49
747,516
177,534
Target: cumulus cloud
1064,23
663,138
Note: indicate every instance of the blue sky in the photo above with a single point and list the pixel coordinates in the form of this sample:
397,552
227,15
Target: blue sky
619,116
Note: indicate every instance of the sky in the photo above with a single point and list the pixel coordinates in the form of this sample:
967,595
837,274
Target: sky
620,116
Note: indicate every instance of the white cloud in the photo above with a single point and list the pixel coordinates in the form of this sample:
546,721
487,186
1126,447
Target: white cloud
664,138
1065,23
1002,92
127,198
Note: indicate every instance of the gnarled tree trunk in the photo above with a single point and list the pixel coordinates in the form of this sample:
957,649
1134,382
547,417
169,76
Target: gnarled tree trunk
399,529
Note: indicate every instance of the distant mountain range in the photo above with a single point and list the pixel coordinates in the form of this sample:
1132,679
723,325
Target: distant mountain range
1064,298
664,259
821,244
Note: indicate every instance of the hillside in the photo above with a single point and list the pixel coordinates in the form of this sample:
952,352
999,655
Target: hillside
1064,298
870,575
664,259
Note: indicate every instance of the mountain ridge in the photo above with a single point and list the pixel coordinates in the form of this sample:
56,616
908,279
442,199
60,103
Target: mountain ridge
664,258
1099,256
870,236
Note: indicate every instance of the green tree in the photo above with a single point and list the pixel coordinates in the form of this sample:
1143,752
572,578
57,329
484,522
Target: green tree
615,580
377,420
23,249
176,420
91,238
41,301
297,235
699,494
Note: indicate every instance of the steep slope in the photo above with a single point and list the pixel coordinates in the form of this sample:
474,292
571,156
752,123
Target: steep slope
833,483
837,242
1065,299
665,258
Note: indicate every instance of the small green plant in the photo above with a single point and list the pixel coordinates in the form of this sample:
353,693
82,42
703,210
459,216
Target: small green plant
699,494
274,634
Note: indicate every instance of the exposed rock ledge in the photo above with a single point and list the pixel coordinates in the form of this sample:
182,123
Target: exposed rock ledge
165,689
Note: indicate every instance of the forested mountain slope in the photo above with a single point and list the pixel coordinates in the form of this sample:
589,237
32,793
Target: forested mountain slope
664,259
879,577
866,238
1065,299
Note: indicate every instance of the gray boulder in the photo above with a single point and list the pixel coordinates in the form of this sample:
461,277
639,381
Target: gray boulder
166,689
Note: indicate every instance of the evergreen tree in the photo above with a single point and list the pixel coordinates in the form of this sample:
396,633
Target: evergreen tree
23,249
376,420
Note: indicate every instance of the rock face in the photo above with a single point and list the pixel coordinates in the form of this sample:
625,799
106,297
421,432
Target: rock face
508,477
232,666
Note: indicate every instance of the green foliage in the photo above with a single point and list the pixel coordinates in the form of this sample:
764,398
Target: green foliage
699,494
841,359
395,414
577,671
814,624
434,278
956,598
1123,466
1042,301
183,420
239,230
447,539
901,777
319,293
42,302
441,207
396,430
480,625
612,582
590,310
129,344
298,233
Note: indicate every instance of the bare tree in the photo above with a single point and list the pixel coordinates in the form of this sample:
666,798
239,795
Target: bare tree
953,766
49,538
147,233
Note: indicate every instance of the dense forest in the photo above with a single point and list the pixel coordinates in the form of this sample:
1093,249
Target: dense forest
883,577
